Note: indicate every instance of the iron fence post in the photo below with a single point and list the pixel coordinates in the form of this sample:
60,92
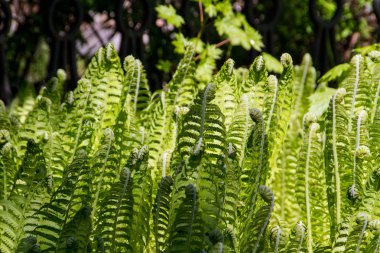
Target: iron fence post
5,22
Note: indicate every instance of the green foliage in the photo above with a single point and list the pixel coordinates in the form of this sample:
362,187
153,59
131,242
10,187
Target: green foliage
248,162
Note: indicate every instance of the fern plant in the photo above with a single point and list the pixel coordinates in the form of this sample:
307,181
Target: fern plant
248,162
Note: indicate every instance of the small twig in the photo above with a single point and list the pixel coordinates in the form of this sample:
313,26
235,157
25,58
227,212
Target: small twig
200,11
223,42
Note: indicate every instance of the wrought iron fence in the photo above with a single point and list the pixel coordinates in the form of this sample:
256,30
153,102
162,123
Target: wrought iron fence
60,21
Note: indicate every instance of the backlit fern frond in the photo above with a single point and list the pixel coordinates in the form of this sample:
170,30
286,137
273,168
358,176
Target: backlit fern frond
278,239
8,167
254,228
338,162
23,103
186,234
358,237
226,89
104,169
255,83
297,239
113,231
240,128
137,85
161,214
64,203
310,189
75,234
142,200
27,194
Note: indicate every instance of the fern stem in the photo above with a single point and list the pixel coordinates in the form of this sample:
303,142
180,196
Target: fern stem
137,84
302,84
203,113
277,240
244,99
374,108
258,174
262,230
108,131
357,75
357,144
126,182
193,211
164,156
362,234
273,104
377,245
308,215
336,165
301,239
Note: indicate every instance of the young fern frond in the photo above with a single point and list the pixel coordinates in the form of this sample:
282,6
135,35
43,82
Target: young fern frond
65,202
232,190
374,244
225,98
238,132
8,167
254,85
253,239
137,84
27,194
283,164
75,236
161,213
337,161
255,169
186,233
358,237
297,240
184,70
104,168
310,190
358,89
142,200
278,240
113,231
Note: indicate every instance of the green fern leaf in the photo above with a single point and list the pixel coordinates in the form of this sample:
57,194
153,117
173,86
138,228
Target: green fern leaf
75,234
113,230
310,190
161,213
186,234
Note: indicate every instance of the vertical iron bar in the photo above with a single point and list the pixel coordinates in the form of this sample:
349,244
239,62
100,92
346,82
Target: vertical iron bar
5,89
325,36
376,10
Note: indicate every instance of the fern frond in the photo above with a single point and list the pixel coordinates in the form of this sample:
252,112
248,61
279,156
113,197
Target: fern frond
310,189
137,84
65,202
28,193
239,130
278,239
226,89
337,160
8,167
113,231
186,234
142,201
75,234
253,239
297,240
358,237
161,213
